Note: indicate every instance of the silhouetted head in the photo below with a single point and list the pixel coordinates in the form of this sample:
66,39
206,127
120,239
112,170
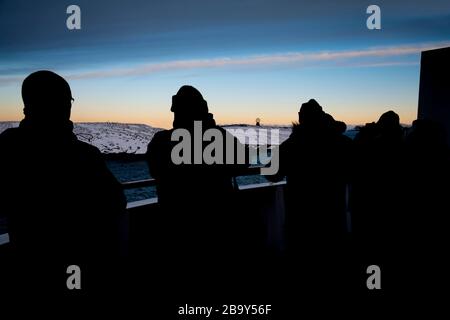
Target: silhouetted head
311,113
47,97
389,121
189,104
340,126
427,133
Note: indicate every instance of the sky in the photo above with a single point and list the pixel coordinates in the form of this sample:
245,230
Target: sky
249,58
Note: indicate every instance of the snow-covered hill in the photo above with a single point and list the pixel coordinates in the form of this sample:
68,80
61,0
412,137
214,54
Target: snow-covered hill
116,137
244,133
134,138
109,137
7,124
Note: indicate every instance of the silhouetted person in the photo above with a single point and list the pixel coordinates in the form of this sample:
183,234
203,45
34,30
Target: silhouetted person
379,195
427,201
61,202
314,161
428,175
378,186
428,169
198,214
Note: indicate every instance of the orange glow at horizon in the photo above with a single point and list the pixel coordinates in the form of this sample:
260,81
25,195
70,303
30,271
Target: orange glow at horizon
164,119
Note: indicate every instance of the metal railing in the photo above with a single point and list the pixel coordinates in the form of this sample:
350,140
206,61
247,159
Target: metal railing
251,171
138,184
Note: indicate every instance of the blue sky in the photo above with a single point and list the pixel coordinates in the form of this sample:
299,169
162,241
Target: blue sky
249,58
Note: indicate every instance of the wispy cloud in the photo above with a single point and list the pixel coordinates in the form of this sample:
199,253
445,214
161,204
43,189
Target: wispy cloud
343,58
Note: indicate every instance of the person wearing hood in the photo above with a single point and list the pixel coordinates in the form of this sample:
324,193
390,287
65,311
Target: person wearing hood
196,199
313,160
